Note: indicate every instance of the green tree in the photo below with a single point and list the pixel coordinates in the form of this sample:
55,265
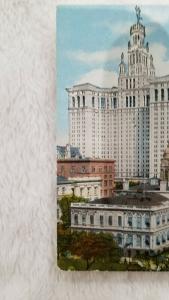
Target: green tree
64,238
92,247
65,204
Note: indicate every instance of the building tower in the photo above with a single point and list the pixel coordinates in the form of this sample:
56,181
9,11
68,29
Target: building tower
133,109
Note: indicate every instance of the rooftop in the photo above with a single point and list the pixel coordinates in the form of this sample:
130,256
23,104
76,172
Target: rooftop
149,201
137,199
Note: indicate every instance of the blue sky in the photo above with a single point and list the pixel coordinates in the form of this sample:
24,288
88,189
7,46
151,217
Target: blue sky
90,40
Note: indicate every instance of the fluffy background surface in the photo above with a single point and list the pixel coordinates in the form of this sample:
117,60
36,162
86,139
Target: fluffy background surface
27,165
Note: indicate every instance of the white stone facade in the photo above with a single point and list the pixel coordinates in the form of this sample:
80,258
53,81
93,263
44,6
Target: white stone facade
128,123
86,187
138,228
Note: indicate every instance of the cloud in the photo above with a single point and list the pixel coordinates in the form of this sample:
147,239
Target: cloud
118,28
97,57
161,63
159,14
99,77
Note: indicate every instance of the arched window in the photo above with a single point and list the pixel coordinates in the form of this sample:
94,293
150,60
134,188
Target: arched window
73,101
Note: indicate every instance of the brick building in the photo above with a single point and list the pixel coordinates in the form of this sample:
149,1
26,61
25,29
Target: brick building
103,168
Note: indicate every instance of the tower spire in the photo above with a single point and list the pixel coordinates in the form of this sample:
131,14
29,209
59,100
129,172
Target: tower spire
138,14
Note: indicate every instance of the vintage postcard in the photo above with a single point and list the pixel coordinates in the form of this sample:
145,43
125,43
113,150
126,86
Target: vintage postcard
113,138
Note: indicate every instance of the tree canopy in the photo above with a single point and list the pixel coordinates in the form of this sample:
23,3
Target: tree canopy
65,203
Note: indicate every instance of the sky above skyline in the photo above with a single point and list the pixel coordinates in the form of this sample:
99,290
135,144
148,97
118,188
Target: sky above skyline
90,40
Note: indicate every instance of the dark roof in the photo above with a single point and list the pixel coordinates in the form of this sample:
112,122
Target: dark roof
145,186
147,199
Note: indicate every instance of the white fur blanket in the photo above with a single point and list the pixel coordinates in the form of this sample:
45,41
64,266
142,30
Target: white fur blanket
27,171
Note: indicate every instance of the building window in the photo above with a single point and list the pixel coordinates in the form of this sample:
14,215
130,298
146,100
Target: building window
130,240
163,219
156,95
130,221
168,218
162,94
72,170
168,93
92,101
83,101
101,221
83,219
139,222
157,220
168,235
76,219
73,101
148,100
130,101
83,169
115,102
119,238
157,240
119,221
147,240
138,241
126,84
102,103
147,221
126,101
134,104
91,220
78,101
110,222
163,238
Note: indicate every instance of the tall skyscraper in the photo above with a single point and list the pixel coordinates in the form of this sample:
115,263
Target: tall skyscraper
128,123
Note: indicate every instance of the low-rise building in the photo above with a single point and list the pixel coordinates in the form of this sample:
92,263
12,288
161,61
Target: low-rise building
137,220
81,168
86,187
